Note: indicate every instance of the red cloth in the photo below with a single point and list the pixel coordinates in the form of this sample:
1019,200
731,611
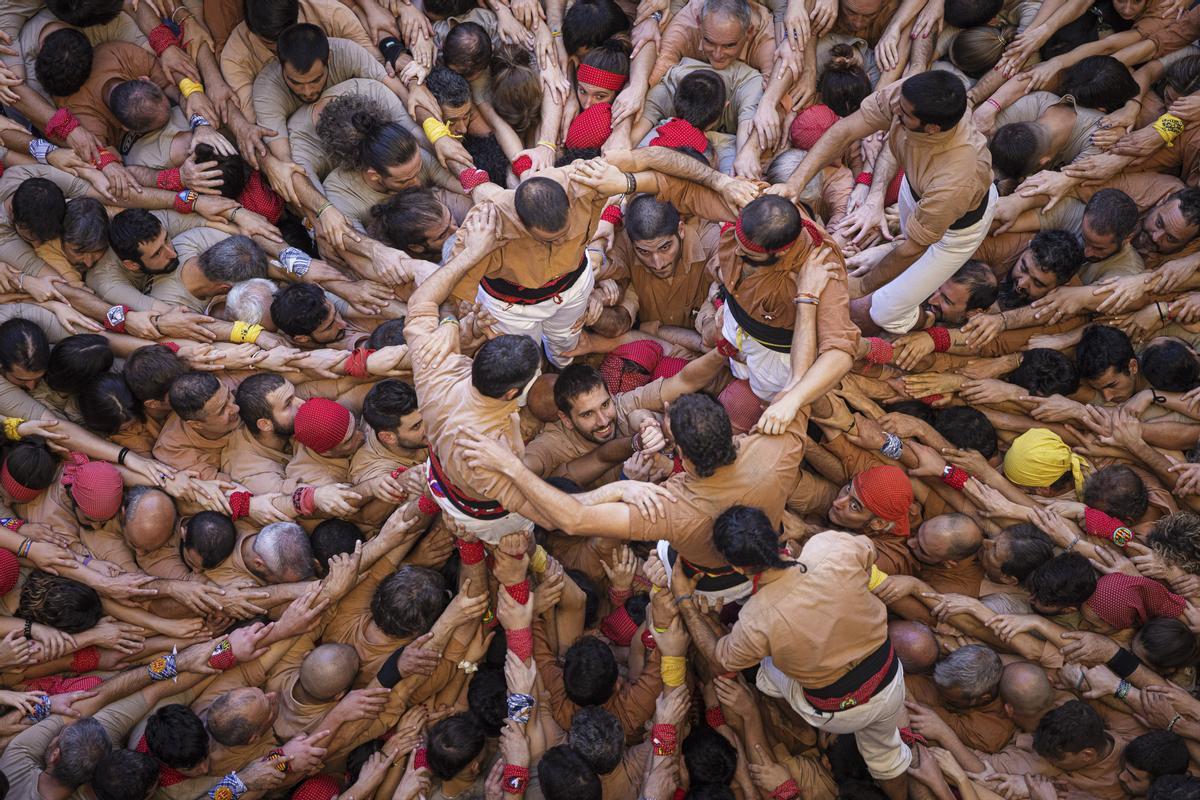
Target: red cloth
470,178
810,124
239,504
260,198
600,78
520,164
893,190
54,684
619,627
1128,601
886,492
741,404
318,787
322,424
96,486
631,365
85,660
16,490
680,133
166,775
668,367
10,570
590,128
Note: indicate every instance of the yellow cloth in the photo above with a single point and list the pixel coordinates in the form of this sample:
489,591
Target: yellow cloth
878,576
674,670
1169,127
1039,457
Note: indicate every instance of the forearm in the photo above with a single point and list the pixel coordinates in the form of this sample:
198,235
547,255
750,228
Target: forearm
828,149
898,259
703,638
437,288
668,162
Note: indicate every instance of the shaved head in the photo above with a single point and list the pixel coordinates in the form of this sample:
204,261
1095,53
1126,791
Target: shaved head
240,716
149,518
915,644
947,537
1025,687
329,670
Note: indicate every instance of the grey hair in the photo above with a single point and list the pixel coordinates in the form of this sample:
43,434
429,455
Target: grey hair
81,746
1006,603
738,9
974,670
233,260
249,301
783,165
284,548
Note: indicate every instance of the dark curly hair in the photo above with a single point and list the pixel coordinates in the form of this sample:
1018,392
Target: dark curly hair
408,602
701,428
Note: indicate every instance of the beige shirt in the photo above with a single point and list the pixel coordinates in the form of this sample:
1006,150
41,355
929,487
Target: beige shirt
153,150
675,300
349,192
274,102
817,622
743,88
950,171
183,448
374,459
120,60
682,39
169,288
313,469
1087,121
245,54
254,465
120,29
557,444
522,260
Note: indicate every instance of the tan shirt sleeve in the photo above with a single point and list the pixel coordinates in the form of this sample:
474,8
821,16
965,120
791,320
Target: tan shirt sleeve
747,644
678,40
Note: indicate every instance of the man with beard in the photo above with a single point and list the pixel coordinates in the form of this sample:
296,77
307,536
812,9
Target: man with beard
665,262
311,321
595,431
972,288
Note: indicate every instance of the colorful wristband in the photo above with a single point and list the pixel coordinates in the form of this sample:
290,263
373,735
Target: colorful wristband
880,351
61,124
185,201
941,339
519,591
715,717
1169,127
163,668
244,332
788,790
877,577
674,670
239,504
472,178
162,38
356,364
520,641
864,178
12,427
955,477
222,657
612,213
516,779
85,660
470,553
188,87
663,739
114,318
169,179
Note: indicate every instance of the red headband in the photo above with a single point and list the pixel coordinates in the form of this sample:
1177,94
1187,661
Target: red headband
600,77
16,490
745,242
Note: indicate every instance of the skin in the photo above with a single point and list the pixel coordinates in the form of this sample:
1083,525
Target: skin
1164,230
857,15
307,84
219,416
949,303
158,256
396,178
24,378
593,415
589,95
409,434
1029,279
660,256
1115,386
332,329
1098,246
720,40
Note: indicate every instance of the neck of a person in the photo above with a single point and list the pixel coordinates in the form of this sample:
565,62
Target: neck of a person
272,440
457,785
1056,125
192,277
48,787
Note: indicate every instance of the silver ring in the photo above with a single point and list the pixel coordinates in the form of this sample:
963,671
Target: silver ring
656,16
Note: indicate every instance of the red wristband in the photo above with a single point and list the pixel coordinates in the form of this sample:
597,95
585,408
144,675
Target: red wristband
356,364
612,214
470,553
85,660
880,350
239,504
222,657
648,641
172,346
470,178
663,739
61,124
398,471
428,507
715,717
619,627
1097,523
185,201
169,179
308,501
519,591
955,477
865,178
941,339
520,641
930,399
421,758
114,318
161,38
520,164
788,790
104,159
619,596
516,779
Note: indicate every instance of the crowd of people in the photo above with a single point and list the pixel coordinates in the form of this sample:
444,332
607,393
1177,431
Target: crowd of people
604,400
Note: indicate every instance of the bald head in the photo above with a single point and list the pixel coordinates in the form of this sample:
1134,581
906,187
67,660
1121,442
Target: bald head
1025,687
149,518
915,644
239,716
328,671
541,399
950,537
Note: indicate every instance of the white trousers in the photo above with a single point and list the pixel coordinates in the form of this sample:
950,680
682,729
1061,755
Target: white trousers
767,370
489,531
875,724
551,322
896,307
